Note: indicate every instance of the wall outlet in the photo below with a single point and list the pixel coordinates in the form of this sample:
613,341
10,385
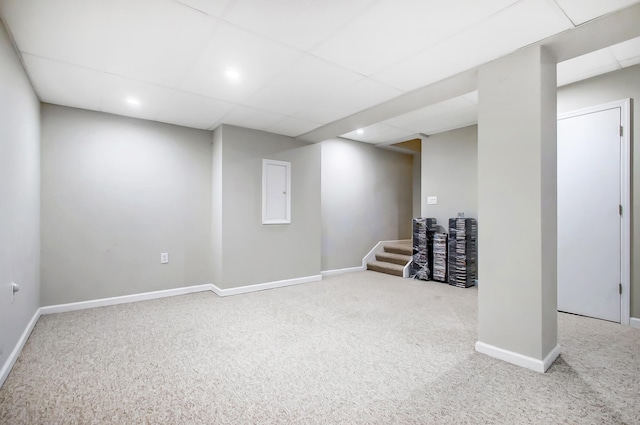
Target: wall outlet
432,200
164,257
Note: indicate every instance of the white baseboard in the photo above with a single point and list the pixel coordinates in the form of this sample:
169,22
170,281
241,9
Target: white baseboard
262,286
124,299
519,359
62,308
634,322
343,271
82,305
551,357
13,357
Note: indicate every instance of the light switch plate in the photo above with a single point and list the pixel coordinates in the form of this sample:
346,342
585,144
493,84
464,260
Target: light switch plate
432,200
164,257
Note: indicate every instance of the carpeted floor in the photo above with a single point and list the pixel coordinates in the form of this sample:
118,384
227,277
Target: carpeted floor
362,348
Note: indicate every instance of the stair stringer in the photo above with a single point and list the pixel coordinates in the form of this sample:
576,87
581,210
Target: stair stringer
379,247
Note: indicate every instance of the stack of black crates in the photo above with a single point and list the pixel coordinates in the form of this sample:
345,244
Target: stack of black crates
423,230
463,235
439,257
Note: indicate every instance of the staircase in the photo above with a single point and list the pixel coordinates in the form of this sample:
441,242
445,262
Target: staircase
392,260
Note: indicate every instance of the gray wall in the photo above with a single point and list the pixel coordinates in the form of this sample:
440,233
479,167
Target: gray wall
417,185
251,252
517,203
608,88
19,198
367,197
450,172
116,192
216,204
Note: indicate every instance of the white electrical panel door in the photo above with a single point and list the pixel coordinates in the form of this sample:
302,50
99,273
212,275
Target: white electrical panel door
276,192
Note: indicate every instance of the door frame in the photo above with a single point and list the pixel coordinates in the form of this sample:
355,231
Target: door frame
625,196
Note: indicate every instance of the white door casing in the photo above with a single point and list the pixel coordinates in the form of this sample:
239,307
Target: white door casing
593,237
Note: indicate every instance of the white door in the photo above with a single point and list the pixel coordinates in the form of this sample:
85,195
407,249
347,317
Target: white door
589,217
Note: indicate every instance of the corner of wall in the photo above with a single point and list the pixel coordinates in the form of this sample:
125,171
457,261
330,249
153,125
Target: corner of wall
20,189
216,204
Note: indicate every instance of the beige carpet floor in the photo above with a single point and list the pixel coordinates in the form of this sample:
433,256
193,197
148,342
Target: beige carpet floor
362,348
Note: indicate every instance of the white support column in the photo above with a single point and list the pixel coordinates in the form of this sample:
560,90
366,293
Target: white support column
517,209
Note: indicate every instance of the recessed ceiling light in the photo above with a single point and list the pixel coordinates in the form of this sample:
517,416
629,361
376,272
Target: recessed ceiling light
232,74
133,101
359,132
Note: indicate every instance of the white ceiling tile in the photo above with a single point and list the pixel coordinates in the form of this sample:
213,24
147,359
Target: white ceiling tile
443,116
414,120
458,119
471,97
292,126
256,59
445,122
630,49
586,66
71,31
310,81
368,92
118,89
329,110
256,119
172,55
64,84
581,11
377,133
191,110
298,23
389,32
157,41
320,72
210,7
348,100
630,62
522,24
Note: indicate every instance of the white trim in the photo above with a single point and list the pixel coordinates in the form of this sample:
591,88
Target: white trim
103,302
517,358
15,353
371,255
634,322
625,197
625,201
262,286
551,357
406,271
343,271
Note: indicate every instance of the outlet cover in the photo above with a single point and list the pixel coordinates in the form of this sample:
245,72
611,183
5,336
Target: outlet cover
432,200
164,257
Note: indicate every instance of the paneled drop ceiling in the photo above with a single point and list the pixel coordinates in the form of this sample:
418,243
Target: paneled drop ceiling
463,111
285,66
